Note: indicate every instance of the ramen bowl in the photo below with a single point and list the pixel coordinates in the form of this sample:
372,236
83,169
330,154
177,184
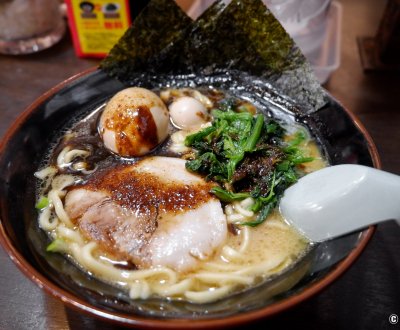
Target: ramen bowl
341,139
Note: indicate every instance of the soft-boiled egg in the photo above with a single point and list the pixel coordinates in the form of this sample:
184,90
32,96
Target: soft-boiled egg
134,122
188,113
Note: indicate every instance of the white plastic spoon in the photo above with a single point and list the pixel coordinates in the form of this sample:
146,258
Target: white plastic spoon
340,199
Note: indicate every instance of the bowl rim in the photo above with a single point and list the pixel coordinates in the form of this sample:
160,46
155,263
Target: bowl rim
135,320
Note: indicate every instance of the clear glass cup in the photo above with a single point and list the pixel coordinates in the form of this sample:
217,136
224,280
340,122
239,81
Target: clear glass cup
27,26
304,20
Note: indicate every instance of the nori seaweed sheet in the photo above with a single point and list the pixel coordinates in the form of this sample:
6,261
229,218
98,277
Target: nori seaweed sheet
242,36
160,24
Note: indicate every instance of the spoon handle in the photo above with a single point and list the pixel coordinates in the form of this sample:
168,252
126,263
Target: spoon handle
340,199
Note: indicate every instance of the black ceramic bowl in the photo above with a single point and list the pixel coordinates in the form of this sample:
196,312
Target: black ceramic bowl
341,137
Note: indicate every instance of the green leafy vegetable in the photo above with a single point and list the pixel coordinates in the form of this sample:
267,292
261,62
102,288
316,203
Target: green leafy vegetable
248,156
262,216
228,196
299,137
198,136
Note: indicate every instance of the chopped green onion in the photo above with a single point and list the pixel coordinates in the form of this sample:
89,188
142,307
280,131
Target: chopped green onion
58,245
42,203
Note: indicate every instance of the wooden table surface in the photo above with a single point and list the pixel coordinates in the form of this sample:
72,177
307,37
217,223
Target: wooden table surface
363,298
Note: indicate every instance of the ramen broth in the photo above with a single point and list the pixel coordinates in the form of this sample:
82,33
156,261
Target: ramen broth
243,256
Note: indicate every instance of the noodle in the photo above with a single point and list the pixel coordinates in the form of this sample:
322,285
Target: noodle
224,278
178,142
241,210
139,289
246,239
175,289
231,254
49,171
69,234
59,209
66,156
263,268
85,257
45,222
210,295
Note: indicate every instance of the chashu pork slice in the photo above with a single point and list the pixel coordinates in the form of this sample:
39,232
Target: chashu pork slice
153,213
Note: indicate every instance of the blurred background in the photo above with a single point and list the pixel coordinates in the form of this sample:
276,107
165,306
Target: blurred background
353,47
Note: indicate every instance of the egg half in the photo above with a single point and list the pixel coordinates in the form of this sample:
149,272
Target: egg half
134,122
188,113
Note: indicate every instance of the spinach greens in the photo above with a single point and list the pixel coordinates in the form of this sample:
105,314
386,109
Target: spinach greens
248,156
